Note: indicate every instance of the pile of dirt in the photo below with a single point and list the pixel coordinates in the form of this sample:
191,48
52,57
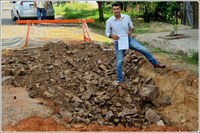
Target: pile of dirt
79,81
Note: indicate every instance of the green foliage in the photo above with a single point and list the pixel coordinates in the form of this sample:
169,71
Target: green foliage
80,10
83,10
76,10
168,10
193,58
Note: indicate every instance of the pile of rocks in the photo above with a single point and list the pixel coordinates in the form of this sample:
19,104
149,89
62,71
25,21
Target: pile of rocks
79,79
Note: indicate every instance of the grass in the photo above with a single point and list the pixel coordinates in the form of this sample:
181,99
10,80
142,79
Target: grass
78,11
189,62
192,59
82,11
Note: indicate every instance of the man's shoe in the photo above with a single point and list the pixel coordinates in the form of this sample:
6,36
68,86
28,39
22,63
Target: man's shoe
159,66
118,83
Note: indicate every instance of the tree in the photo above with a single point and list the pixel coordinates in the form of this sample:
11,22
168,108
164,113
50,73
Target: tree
100,7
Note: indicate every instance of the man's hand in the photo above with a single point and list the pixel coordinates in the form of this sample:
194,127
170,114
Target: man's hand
129,33
114,36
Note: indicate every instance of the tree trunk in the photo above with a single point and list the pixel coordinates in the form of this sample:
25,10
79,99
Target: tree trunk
101,16
125,4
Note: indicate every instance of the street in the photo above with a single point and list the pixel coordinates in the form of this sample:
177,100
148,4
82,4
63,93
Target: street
6,17
12,35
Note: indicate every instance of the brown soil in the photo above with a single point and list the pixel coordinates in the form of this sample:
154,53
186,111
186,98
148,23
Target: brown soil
48,124
176,82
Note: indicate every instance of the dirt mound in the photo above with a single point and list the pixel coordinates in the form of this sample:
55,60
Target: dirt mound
78,80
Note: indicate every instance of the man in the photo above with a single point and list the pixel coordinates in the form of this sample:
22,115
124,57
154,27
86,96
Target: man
120,25
41,7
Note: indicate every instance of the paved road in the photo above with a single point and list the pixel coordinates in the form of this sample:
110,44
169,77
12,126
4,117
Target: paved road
6,17
12,34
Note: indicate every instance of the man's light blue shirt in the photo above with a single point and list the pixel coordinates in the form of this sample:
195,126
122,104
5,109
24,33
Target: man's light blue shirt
120,26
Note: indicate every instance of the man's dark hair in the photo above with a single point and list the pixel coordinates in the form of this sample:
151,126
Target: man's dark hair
116,4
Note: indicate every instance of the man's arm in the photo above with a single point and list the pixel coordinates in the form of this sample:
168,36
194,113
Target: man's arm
108,32
34,5
46,5
108,29
131,27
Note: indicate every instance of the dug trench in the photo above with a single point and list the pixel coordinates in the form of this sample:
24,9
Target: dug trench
69,87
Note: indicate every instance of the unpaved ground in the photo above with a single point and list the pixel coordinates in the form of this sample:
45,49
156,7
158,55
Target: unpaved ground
72,79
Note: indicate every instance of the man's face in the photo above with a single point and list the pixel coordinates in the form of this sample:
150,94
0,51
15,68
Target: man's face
116,10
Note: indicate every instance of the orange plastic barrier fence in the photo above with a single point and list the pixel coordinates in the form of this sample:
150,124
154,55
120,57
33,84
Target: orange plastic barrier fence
54,21
86,35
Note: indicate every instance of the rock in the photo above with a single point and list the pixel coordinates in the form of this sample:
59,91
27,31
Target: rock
121,92
51,90
20,72
76,105
156,102
99,62
52,80
152,116
160,123
128,99
136,81
76,99
165,101
69,95
50,67
61,75
98,116
87,94
118,104
88,76
127,111
66,116
104,111
37,85
149,92
135,61
8,80
116,120
48,94
34,67
102,67
16,83
148,80
109,114
82,88
166,120
96,100
132,71
94,82
67,72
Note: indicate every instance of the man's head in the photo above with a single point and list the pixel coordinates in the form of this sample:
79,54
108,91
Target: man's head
116,9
